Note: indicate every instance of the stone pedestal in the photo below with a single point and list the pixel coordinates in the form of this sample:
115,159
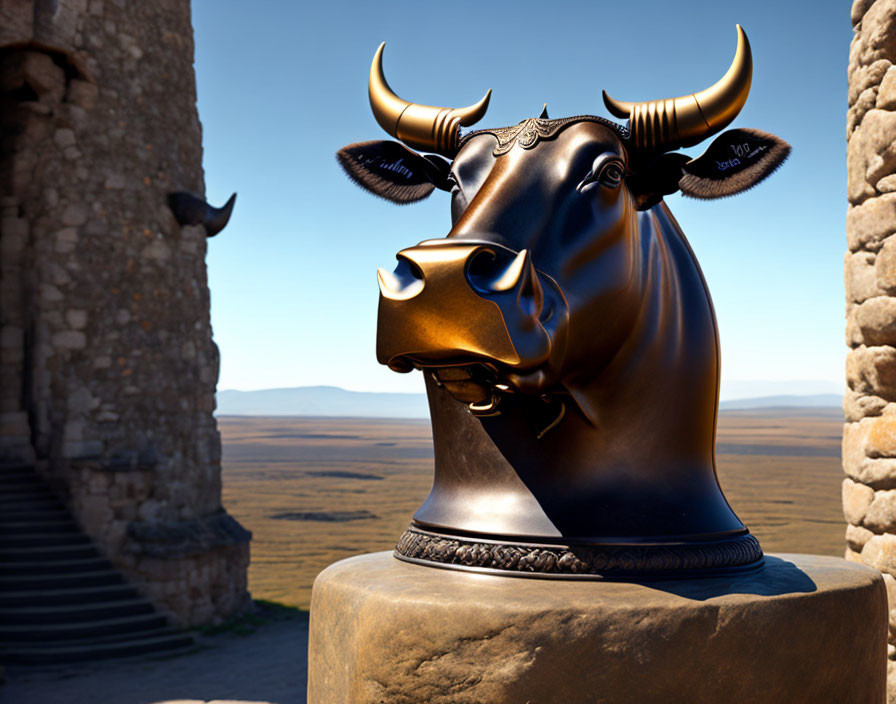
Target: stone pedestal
802,628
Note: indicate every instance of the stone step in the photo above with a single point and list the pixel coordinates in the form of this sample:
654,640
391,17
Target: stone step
53,594
28,507
19,492
12,468
60,600
74,577
21,481
65,614
56,513
60,632
63,524
31,499
52,566
21,488
52,552
109,639
42,539
162,641
29,478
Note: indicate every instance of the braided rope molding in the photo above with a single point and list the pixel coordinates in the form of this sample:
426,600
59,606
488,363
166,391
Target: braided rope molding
578,560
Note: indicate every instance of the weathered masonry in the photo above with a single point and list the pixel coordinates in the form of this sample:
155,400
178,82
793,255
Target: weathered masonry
869,437
107,365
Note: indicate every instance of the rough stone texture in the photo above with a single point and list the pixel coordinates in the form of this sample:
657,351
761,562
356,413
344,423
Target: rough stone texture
861,277
857,406
885,264
869,406
869,224
107,363
859,8
856,500
387,631
870,156
868,449
875,320
880,516
886,93
857,537
872,371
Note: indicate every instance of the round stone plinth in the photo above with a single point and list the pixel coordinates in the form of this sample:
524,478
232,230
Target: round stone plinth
802,628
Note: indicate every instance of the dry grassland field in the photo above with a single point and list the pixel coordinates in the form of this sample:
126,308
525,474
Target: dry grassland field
316,490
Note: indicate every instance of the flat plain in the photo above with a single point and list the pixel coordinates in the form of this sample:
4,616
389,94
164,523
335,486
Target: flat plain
316,490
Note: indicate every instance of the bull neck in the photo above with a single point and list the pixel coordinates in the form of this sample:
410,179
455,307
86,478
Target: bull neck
638,461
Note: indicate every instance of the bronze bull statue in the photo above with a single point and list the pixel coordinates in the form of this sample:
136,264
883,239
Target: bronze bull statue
565,331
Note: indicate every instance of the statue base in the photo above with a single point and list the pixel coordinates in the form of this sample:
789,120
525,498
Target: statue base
798,628
580,561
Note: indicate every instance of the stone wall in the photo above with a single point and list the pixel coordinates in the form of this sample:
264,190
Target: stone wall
107,364
869,436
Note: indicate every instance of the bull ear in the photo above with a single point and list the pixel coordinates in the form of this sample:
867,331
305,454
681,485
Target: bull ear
392,171
736,161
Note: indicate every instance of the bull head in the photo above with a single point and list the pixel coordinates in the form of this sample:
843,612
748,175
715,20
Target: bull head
566,311
512,333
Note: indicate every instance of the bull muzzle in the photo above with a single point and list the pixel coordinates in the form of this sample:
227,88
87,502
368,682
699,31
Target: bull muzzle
477,313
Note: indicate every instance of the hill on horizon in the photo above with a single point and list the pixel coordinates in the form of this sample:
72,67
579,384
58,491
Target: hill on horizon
321,401
339,402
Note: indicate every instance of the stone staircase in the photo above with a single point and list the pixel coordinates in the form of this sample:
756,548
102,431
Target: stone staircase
61,601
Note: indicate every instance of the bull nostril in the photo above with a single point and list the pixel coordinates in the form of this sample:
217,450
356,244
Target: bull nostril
518,278
531,298
521,277
404,283
513,273
480,269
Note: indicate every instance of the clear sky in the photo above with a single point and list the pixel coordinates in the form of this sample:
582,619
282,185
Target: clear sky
283,85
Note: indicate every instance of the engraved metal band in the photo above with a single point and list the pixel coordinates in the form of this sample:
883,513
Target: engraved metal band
586,560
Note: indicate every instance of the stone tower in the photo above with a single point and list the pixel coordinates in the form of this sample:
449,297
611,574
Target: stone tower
107,365
869,436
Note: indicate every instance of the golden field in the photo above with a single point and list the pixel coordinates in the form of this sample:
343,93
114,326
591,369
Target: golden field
316,490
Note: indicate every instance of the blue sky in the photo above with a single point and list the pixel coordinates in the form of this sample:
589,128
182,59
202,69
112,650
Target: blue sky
283,85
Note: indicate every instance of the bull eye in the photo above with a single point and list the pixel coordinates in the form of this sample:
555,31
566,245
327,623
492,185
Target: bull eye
611,174
607,170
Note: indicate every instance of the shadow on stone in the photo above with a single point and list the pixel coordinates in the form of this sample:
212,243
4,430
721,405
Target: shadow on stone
775,577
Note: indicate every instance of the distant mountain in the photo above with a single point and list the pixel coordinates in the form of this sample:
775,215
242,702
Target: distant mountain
736,389
333,401
784,401
321,401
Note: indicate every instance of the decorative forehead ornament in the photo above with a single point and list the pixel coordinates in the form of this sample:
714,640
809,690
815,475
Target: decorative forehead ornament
528,132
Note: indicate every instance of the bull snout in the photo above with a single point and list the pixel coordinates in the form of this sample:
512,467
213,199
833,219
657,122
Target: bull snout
455,303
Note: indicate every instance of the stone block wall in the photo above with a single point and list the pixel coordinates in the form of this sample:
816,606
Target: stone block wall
869,436
107,364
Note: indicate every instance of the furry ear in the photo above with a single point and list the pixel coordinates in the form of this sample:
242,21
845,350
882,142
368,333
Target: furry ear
392,171
736,161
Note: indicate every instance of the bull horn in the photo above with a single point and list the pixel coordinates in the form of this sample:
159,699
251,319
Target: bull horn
419,126
191,210
683,122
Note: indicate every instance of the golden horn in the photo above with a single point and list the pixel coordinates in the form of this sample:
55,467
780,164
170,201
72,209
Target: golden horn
419,126
683,122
